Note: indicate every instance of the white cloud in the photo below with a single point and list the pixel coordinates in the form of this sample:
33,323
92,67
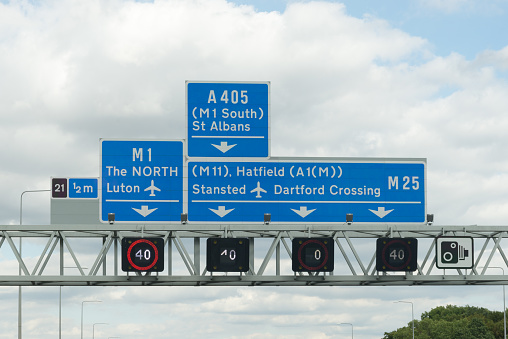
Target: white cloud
498,60
73,72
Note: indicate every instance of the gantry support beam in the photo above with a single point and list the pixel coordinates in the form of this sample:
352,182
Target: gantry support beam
81,255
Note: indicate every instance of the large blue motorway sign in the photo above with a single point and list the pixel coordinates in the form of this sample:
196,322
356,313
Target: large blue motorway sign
228,119
374,191
141,181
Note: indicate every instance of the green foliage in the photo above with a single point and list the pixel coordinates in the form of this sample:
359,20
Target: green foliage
454,322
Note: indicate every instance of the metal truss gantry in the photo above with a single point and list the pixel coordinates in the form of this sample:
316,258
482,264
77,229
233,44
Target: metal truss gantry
81,255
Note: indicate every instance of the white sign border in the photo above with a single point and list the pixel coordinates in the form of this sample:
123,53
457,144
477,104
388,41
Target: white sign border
458,265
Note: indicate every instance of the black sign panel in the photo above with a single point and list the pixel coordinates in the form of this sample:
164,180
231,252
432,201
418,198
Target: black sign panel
59,188
313,254
142,254
396,254
227,254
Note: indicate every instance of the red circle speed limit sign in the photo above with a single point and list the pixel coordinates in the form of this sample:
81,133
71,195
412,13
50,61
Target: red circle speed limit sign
142,254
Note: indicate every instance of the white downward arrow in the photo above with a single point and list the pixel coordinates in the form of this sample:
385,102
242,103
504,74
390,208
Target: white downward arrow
224,147
144,211
221,211
381,212
303,212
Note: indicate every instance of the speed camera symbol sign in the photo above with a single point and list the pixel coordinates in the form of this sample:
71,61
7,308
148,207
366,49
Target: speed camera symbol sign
454,252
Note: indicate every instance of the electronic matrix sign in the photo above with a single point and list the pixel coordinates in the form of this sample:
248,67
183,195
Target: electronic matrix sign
313,255
227,254
396,254
142,254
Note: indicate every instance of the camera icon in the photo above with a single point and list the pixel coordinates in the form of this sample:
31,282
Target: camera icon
452,252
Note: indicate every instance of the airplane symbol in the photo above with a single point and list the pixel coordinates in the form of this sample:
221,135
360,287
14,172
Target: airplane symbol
258,189
152,188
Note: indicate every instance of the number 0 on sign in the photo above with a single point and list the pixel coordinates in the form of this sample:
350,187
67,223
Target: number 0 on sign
313,255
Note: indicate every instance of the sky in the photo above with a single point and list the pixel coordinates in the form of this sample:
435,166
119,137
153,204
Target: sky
412,79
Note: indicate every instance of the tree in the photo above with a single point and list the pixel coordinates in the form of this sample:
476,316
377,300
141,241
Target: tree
454,322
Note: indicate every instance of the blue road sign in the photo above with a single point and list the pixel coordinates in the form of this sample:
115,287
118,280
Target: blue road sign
228,119
83,188
141,181
372,190
75,188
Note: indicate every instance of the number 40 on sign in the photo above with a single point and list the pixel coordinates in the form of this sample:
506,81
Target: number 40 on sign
396,254
142,254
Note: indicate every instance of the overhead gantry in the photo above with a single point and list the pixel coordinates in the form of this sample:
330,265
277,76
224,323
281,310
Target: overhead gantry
79,255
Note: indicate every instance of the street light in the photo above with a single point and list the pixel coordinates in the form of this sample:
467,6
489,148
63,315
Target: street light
412,314
93,328
20,255
82,304
351,328
504,301
60,307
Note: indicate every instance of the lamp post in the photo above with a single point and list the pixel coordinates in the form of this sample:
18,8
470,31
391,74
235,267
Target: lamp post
20,255
351,328
82,304
93,328
412,313
60,307
504,302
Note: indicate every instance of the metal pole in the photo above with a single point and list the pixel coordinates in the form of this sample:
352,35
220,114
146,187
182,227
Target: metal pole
82,304
93,328
351,328
412,314
60,297
60,308
60,314
504,302
21,256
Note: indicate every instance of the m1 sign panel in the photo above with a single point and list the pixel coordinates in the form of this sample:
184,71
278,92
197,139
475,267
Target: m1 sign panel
141,180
